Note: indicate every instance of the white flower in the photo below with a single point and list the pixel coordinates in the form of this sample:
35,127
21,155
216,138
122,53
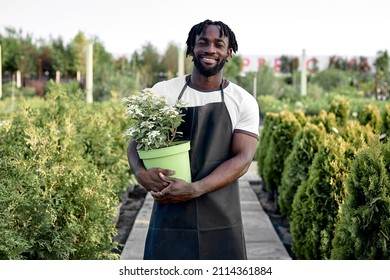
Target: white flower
154,121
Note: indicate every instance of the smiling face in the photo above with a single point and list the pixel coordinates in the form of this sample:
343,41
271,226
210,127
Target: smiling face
211,51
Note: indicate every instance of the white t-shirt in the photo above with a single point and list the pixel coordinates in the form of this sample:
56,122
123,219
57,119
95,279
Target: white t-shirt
241,105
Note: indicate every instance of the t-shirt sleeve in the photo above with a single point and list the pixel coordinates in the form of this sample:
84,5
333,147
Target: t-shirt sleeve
249,118
161,89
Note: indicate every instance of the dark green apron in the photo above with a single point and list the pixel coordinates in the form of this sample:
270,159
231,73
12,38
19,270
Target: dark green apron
209,227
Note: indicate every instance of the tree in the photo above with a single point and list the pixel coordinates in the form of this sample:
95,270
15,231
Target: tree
148,66
382,70
170,60
61,56
364,227
233,68
19,52
316,203
77,50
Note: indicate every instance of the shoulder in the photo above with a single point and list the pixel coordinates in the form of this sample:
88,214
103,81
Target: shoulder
169,84
240,95
170,88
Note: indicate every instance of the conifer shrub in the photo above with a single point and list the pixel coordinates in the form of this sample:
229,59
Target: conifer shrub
54,202
325,119
386,120
104,143
300,116
317,201
296,167
357,135
265,136
363,231
341,108
285,127
370,115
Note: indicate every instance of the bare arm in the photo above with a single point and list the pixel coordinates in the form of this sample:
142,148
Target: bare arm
149,179
243,150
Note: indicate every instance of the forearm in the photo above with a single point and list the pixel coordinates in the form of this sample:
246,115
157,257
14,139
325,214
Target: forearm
135,162
224,174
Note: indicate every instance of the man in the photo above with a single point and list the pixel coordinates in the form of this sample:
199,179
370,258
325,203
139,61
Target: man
202,219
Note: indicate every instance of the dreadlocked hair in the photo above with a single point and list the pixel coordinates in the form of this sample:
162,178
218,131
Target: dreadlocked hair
199,28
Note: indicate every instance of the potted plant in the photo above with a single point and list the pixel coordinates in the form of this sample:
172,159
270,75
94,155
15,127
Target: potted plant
153,125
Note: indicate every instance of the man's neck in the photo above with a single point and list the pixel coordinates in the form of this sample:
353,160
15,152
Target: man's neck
206,83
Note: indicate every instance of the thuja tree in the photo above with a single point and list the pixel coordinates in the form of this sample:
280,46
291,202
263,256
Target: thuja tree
325,119
265,136
317,201
280,144
357,135
54,203
100,127
341,108
296,167
386,120
364,228
104,143
371,116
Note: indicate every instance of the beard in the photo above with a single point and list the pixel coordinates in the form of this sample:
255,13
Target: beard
208,72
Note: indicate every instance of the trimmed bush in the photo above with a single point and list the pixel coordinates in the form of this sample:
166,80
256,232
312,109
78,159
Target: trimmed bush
102,134
325,119
386,120
54,202
364,228
317,201
340,108
357,135
285,127
296,167
264,142
371,116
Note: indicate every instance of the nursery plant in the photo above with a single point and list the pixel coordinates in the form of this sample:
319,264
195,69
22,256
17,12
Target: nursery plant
284,129
316,204
364,227
296,167
55,203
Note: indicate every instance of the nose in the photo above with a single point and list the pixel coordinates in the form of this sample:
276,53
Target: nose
210,48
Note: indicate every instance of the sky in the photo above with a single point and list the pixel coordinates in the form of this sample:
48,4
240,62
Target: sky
262,27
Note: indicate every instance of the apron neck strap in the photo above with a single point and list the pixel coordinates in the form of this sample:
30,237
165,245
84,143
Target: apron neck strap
188,79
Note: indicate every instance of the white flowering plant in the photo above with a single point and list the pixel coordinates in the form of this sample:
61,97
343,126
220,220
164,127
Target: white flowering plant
154,121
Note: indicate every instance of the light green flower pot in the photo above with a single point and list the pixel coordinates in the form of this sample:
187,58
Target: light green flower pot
174,158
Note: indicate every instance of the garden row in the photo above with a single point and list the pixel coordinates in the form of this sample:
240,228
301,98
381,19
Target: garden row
331,176
63,167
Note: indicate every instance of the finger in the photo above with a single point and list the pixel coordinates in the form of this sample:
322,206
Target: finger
164,178
169,172
157,195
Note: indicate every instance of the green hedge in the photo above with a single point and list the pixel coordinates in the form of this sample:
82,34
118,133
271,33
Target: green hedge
265,136
370,115
316,203
296,166
60,161
284,129
364,228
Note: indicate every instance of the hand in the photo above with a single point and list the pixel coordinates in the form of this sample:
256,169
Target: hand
151,180
177,190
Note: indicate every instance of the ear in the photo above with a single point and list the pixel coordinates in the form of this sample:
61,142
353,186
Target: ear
229,54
